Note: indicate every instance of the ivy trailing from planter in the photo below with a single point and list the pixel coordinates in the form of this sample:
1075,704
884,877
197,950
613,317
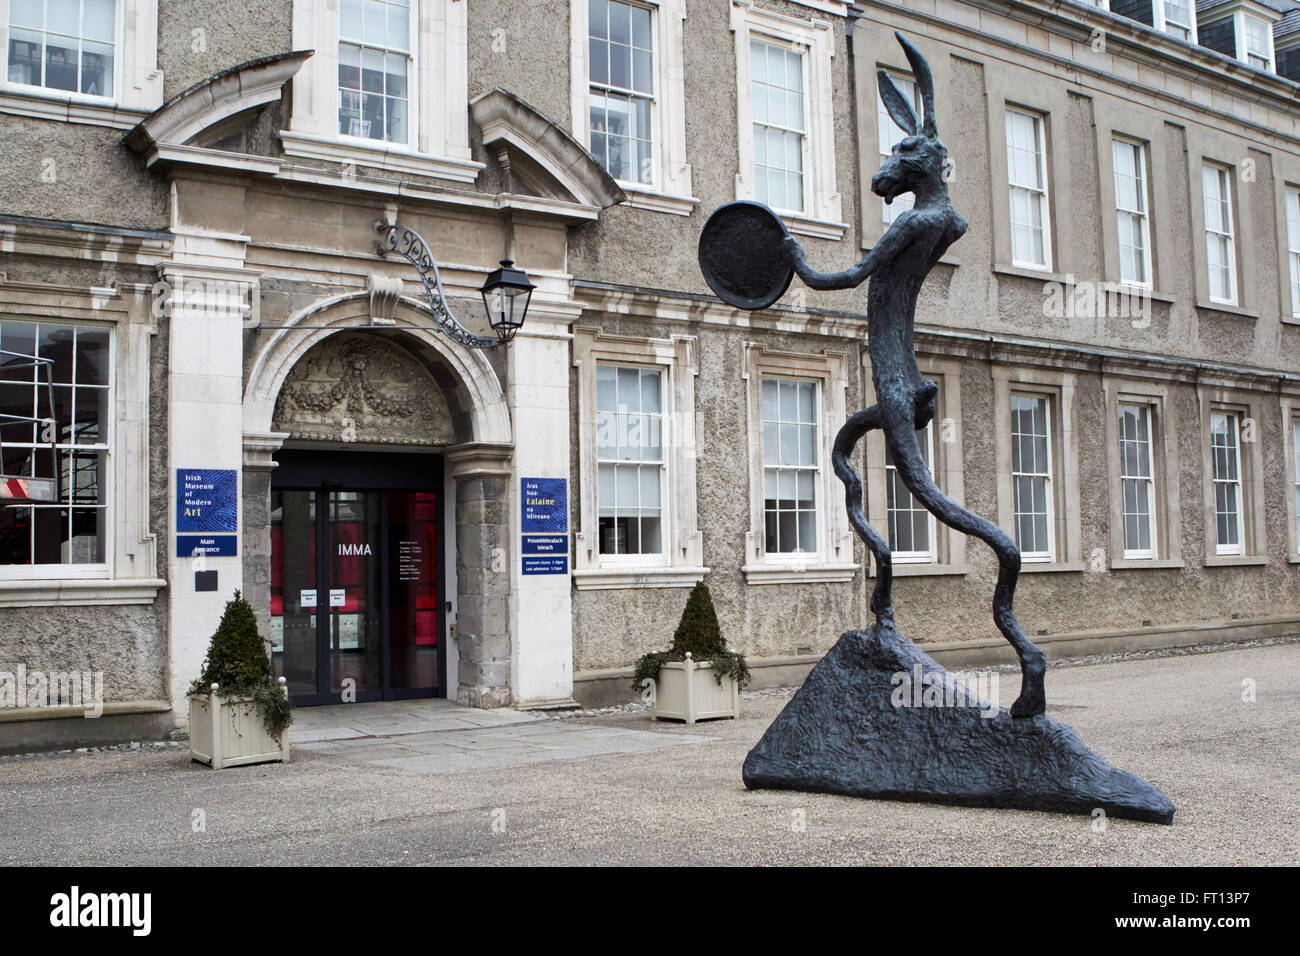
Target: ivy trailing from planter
699,635
238,663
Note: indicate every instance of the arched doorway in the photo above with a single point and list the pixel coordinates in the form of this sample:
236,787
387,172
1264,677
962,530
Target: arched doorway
357,570
364,451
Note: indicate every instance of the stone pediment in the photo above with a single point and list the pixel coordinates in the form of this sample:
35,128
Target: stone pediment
361,387
540,157
194,126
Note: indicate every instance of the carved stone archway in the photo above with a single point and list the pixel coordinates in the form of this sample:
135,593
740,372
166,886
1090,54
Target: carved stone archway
363,387
321,378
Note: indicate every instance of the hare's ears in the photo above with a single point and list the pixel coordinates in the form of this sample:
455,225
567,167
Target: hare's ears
900,110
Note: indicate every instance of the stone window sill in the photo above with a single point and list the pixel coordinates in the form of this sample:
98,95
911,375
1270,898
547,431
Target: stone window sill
792,573
1224,308
1234,560
606,579
73,592
31,101
1031,567
1125,564
816,228
1026,272
923,569
642,197
391,159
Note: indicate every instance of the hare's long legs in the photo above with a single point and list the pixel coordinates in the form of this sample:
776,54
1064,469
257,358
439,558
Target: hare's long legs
916,476
882,602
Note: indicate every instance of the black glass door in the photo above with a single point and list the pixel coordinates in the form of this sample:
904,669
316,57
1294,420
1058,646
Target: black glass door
356,583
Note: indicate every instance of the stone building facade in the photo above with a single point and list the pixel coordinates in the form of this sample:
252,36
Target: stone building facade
189,213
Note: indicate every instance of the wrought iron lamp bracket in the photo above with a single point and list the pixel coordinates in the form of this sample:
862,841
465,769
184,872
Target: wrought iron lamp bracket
407,243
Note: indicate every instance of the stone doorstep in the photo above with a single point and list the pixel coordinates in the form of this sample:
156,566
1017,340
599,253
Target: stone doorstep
604,688
392,719
500,747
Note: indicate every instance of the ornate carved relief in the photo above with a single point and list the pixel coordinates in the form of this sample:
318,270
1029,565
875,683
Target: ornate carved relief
360,387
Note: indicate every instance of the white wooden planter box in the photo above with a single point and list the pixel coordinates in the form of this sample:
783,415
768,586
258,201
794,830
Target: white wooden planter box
228,732
689,691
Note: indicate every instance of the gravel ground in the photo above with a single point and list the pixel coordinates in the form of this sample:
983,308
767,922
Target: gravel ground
1229,765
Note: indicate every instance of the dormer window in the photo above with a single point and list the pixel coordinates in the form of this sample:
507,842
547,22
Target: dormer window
1255,44
1240,29
1177,19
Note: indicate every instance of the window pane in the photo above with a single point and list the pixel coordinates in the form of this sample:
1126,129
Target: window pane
350,19
98,20
15,535
26,13
808,531
605,489
626,490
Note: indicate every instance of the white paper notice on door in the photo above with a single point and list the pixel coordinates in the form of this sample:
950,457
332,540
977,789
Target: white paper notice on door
307,599
338,597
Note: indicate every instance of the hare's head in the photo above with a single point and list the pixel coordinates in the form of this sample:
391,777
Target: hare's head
917,163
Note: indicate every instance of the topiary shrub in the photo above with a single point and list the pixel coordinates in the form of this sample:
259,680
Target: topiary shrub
239,664
699,634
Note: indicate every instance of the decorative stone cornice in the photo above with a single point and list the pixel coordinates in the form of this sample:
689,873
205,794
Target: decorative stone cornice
475,459
259,449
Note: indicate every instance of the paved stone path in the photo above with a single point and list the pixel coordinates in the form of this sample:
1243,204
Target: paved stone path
622,789
505,746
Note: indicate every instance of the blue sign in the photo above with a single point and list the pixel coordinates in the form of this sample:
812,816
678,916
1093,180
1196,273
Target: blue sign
210,545
546,544
544,504
207,500
546,564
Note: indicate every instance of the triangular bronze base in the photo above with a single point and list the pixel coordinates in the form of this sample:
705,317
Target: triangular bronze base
843,733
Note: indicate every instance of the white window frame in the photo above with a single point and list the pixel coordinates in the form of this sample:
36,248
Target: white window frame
822,209
892,210
801,131
642,558
833,560
1149,480
1013,374
129,573
1237,484
815,469
1161,21
78,569
1224,177
1292,200
1247,405
412,88
1144,214
1043,191
1048,477
1294,475
1243,52
925,439
437,120
947,554
682,563
1166,540
1291,467
137,81
671,190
